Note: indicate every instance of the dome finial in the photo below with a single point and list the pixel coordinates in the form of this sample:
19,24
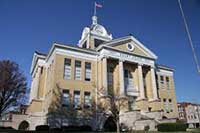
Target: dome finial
94,20
94,17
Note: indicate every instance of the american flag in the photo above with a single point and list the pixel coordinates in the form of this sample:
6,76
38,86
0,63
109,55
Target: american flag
98,5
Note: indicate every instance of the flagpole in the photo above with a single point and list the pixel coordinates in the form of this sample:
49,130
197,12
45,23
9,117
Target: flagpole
95,9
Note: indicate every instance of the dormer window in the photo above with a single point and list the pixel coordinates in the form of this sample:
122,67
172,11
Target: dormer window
97,42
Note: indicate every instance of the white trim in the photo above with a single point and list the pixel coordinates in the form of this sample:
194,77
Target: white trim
40,62
132,47
116,41
135,45
75,54
82,54
164,72
126,57
145,48
36,57
69,48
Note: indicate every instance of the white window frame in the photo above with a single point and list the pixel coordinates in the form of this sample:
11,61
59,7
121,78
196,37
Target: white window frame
77,99
88,71
168,83
110,75
87,99
67,69
162,82
129,81
77,70
65,97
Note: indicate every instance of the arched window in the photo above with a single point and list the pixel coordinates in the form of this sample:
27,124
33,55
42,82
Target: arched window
24,125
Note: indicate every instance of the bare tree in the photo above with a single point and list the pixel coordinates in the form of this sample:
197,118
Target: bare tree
113,105
58,112
13,85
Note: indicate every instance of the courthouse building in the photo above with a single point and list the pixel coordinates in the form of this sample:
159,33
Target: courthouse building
100,64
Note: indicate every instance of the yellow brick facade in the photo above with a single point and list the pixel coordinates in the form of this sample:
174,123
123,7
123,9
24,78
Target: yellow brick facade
123,66
52,78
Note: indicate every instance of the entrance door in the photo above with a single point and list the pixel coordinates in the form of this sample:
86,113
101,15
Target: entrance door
110,125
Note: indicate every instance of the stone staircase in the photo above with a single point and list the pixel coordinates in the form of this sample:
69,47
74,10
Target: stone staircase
138,120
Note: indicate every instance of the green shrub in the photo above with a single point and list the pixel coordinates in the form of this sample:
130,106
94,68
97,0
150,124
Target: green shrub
55,129
76,128
42,128
169,127
85,128
146,128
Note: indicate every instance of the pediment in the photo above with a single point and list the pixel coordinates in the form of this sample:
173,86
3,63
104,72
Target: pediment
35,59
132,45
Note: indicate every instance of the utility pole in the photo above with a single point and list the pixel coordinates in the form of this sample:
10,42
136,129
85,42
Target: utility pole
198,113
189,37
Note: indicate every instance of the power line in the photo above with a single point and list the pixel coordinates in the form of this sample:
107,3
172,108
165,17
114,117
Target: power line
189,37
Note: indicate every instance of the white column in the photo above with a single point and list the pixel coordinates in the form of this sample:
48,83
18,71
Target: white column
121,77
105,80
32,90
154,88
37,82
141,84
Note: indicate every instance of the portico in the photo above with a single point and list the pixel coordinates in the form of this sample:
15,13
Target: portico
124,72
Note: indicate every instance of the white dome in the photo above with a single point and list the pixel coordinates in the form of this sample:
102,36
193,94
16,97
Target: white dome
95,30
99,29
85,32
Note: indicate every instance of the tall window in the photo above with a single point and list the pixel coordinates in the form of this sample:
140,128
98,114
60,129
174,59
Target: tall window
170,105
161,79
87,71
87,100
67,69
77,100
170,100
167,81
65,98
162,82
165,105
110,75
77,70
128,79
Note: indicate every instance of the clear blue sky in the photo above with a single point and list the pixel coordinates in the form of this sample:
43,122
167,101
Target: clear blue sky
29,25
